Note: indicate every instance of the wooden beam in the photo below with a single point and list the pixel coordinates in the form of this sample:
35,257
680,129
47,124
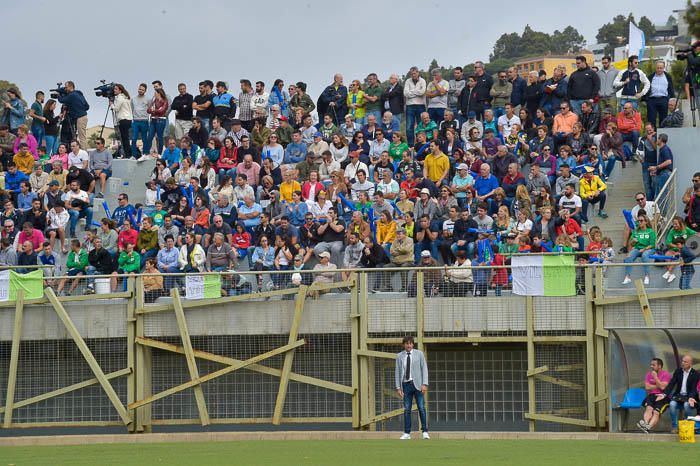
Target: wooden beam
289,356
530,327
601,397
376,354
537,370
590,344
254,420
651,296
364,387
14,358
216,374
560,382
354,346
420,309
387,415
68,389
644,302
89,357
559,419
253,367
189,355
142,362
133,284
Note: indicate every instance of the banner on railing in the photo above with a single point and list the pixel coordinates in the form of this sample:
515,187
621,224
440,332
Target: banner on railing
543,275
202,286
32,283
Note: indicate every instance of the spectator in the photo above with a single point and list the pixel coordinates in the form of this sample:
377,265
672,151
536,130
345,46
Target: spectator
77,204
555,91
583,86
632,84
500,94
661,171
437,96
101,262
76,265
220,255
107,234
414,92
681,391
607,75
643,241
629,123
592,192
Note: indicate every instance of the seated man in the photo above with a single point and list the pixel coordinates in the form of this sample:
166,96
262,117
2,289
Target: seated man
332,234
682,392
76,265
655,383
401,252
101,262
592,190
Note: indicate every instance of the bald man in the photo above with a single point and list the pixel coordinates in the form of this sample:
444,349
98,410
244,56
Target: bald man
682,390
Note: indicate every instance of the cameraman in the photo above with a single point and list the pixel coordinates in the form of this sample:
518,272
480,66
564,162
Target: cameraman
77,110
693,57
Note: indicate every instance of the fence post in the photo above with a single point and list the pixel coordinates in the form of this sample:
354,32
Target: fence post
142,361
354,346
530,326
14,359
131,284
364,362
590,350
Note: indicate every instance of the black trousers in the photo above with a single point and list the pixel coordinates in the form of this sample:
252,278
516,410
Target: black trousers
124,127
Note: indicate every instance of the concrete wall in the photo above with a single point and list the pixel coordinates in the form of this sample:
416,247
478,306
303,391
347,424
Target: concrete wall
684,144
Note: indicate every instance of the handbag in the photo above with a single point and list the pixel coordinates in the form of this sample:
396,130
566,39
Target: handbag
686,431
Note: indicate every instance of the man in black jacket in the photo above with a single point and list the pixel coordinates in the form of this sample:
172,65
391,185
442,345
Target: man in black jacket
374,257
682,391
484,82
463,239
101,262
392,98
333,101
589,118
660,92
584,85
182,106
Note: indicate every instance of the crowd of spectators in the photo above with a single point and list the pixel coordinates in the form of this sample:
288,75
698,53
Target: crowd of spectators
484,168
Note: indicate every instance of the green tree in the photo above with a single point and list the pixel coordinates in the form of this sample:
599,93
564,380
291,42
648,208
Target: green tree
507,46
616,32
494,66
692,16
534,43
567,41
647,26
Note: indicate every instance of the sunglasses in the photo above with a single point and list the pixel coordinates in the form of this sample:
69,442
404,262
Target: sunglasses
639,199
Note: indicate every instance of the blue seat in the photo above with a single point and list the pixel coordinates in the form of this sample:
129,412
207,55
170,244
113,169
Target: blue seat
634,397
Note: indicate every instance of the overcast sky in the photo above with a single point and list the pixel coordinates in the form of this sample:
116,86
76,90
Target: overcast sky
132,41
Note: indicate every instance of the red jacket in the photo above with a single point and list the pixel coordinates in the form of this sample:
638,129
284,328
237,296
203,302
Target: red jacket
571,226
306,189
500,275
127,237
158,109
626,124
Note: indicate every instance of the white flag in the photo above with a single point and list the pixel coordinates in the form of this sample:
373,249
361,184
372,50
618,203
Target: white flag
636,41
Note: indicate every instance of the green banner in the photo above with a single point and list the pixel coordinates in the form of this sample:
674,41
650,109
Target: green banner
32,283
559,275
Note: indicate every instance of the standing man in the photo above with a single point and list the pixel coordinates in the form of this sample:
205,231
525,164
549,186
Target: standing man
259,101
36,113
631,84
373,97
140,122
414,91
661,90
501,91
454,90
204,104
182,106
655,383
607,76
393,99
245,107
661,172
333,101
517,97
436,92
484,82
584,85
224,105
14,112
682,391
77,110
411,380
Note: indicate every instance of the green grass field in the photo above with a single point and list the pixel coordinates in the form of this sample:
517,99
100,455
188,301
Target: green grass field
360,453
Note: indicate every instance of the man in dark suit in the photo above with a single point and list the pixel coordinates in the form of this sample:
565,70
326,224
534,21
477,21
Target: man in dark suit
682,391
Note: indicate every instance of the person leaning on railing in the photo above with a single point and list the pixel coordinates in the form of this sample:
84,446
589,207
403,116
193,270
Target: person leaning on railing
152,282
643,242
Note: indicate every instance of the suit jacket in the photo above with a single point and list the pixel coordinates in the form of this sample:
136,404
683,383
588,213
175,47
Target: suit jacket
674,386
419,368
395,98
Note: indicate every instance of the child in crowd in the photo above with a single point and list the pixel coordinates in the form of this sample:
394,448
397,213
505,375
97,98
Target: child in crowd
499,278
241,241
687,257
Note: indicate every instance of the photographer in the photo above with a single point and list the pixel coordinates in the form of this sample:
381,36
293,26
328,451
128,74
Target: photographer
77,108
693,56
123,115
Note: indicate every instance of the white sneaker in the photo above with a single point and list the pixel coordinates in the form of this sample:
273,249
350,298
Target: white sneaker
665,275
646,280
143,158
405,437
426,436
671,278
627,281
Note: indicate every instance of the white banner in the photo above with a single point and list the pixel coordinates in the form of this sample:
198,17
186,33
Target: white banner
4,285
194,286
528,275
636,41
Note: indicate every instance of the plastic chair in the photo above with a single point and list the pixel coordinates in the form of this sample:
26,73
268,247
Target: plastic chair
634,397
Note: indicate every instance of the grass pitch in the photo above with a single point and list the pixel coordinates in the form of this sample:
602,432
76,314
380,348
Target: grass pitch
359,453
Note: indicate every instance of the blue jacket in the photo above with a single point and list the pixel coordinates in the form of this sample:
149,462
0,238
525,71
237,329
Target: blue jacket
296,215
267,259
551,101
295,153
171,157
12,181
15,114
76,103
274,99
517,96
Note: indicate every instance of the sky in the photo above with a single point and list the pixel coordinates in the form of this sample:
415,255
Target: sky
130,41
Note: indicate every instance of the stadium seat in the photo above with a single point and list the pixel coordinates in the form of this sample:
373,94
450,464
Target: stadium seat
633,400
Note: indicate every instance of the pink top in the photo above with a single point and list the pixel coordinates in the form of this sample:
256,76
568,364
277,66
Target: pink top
663,376
31,143
37,238
63,158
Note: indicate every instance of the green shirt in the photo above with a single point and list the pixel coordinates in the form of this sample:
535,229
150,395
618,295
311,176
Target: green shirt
396,150
375,91
38,111
158,217
428,129
129,264
645,238
675,234
77,260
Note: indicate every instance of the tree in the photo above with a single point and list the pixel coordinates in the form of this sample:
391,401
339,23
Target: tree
647,26
567,41
692,16
616,33
507,46
534,43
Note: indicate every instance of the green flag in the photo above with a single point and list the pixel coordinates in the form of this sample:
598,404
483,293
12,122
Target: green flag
32,283
559,275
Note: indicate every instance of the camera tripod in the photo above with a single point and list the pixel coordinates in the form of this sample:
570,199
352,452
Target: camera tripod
691,92
117,134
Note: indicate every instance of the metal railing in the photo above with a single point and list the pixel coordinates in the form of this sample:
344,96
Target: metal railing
666,202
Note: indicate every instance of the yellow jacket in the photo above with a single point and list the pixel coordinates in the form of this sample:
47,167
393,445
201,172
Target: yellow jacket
386,232
25,163
286,190
588,187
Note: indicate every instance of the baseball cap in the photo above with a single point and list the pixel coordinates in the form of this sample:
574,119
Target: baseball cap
471,115
54,183
425,191
425,253
589,169
318,134
284,118
462,166
325,254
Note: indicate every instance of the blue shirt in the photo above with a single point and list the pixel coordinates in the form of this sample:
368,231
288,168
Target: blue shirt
12,181
664,155
296,212
484,186
24,201
167,260
250,222
295,153
122,213
267,258
171,157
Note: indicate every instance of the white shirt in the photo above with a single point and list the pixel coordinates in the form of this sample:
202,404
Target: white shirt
76,160
570,204
507,123
684,389
82,195
650,208
259,101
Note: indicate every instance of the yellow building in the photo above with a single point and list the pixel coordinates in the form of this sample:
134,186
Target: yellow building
549,62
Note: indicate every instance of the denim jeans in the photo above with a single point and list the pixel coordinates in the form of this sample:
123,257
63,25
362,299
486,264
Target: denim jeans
686,278
657,107
634,255
139,128
412,118
51,145
599,199
428,245
673,409
576,106
39,133
230,172
610,166
498,111
409,392
157,129
648,181
436,114
660,180
76,215
206,122
633,138
469,247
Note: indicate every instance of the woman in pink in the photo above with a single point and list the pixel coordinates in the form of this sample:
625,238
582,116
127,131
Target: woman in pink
311,188
23,135
60,156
